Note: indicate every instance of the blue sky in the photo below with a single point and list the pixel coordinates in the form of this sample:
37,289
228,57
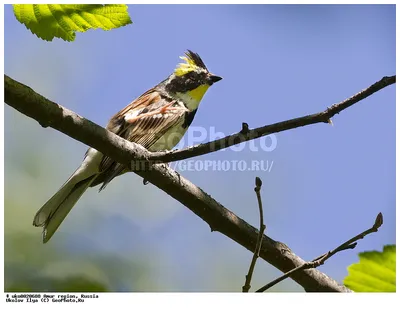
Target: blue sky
278,62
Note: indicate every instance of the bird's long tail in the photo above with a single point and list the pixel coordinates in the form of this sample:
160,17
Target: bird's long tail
53,213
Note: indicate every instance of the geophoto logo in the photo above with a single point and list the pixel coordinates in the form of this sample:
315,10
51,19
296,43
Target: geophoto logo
200,135
222,165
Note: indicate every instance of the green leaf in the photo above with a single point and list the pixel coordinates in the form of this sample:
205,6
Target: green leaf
376,271
63,20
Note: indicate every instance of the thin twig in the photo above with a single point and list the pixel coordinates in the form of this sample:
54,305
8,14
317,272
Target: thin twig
256,254
245,134
350,244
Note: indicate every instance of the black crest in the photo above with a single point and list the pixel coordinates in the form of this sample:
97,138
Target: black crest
196,59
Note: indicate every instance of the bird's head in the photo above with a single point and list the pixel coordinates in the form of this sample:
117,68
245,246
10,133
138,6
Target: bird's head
190,80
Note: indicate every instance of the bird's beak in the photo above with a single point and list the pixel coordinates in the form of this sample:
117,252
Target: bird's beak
214,78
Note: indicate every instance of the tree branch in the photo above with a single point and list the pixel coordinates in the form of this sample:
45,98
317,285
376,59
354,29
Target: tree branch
257,249
50,114
245,134
47,113
350,244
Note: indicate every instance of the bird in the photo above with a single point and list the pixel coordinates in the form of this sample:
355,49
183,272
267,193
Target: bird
156,120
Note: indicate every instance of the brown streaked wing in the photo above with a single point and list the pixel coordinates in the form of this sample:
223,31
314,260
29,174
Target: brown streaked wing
144,131
145,100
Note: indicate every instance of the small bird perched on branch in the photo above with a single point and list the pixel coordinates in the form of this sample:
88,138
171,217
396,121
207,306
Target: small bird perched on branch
157,120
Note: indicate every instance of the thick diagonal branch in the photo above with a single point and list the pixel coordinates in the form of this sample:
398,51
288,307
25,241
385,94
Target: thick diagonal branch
47,113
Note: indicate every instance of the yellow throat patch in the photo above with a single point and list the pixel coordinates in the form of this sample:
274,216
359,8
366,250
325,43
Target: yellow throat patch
198,93
193,97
